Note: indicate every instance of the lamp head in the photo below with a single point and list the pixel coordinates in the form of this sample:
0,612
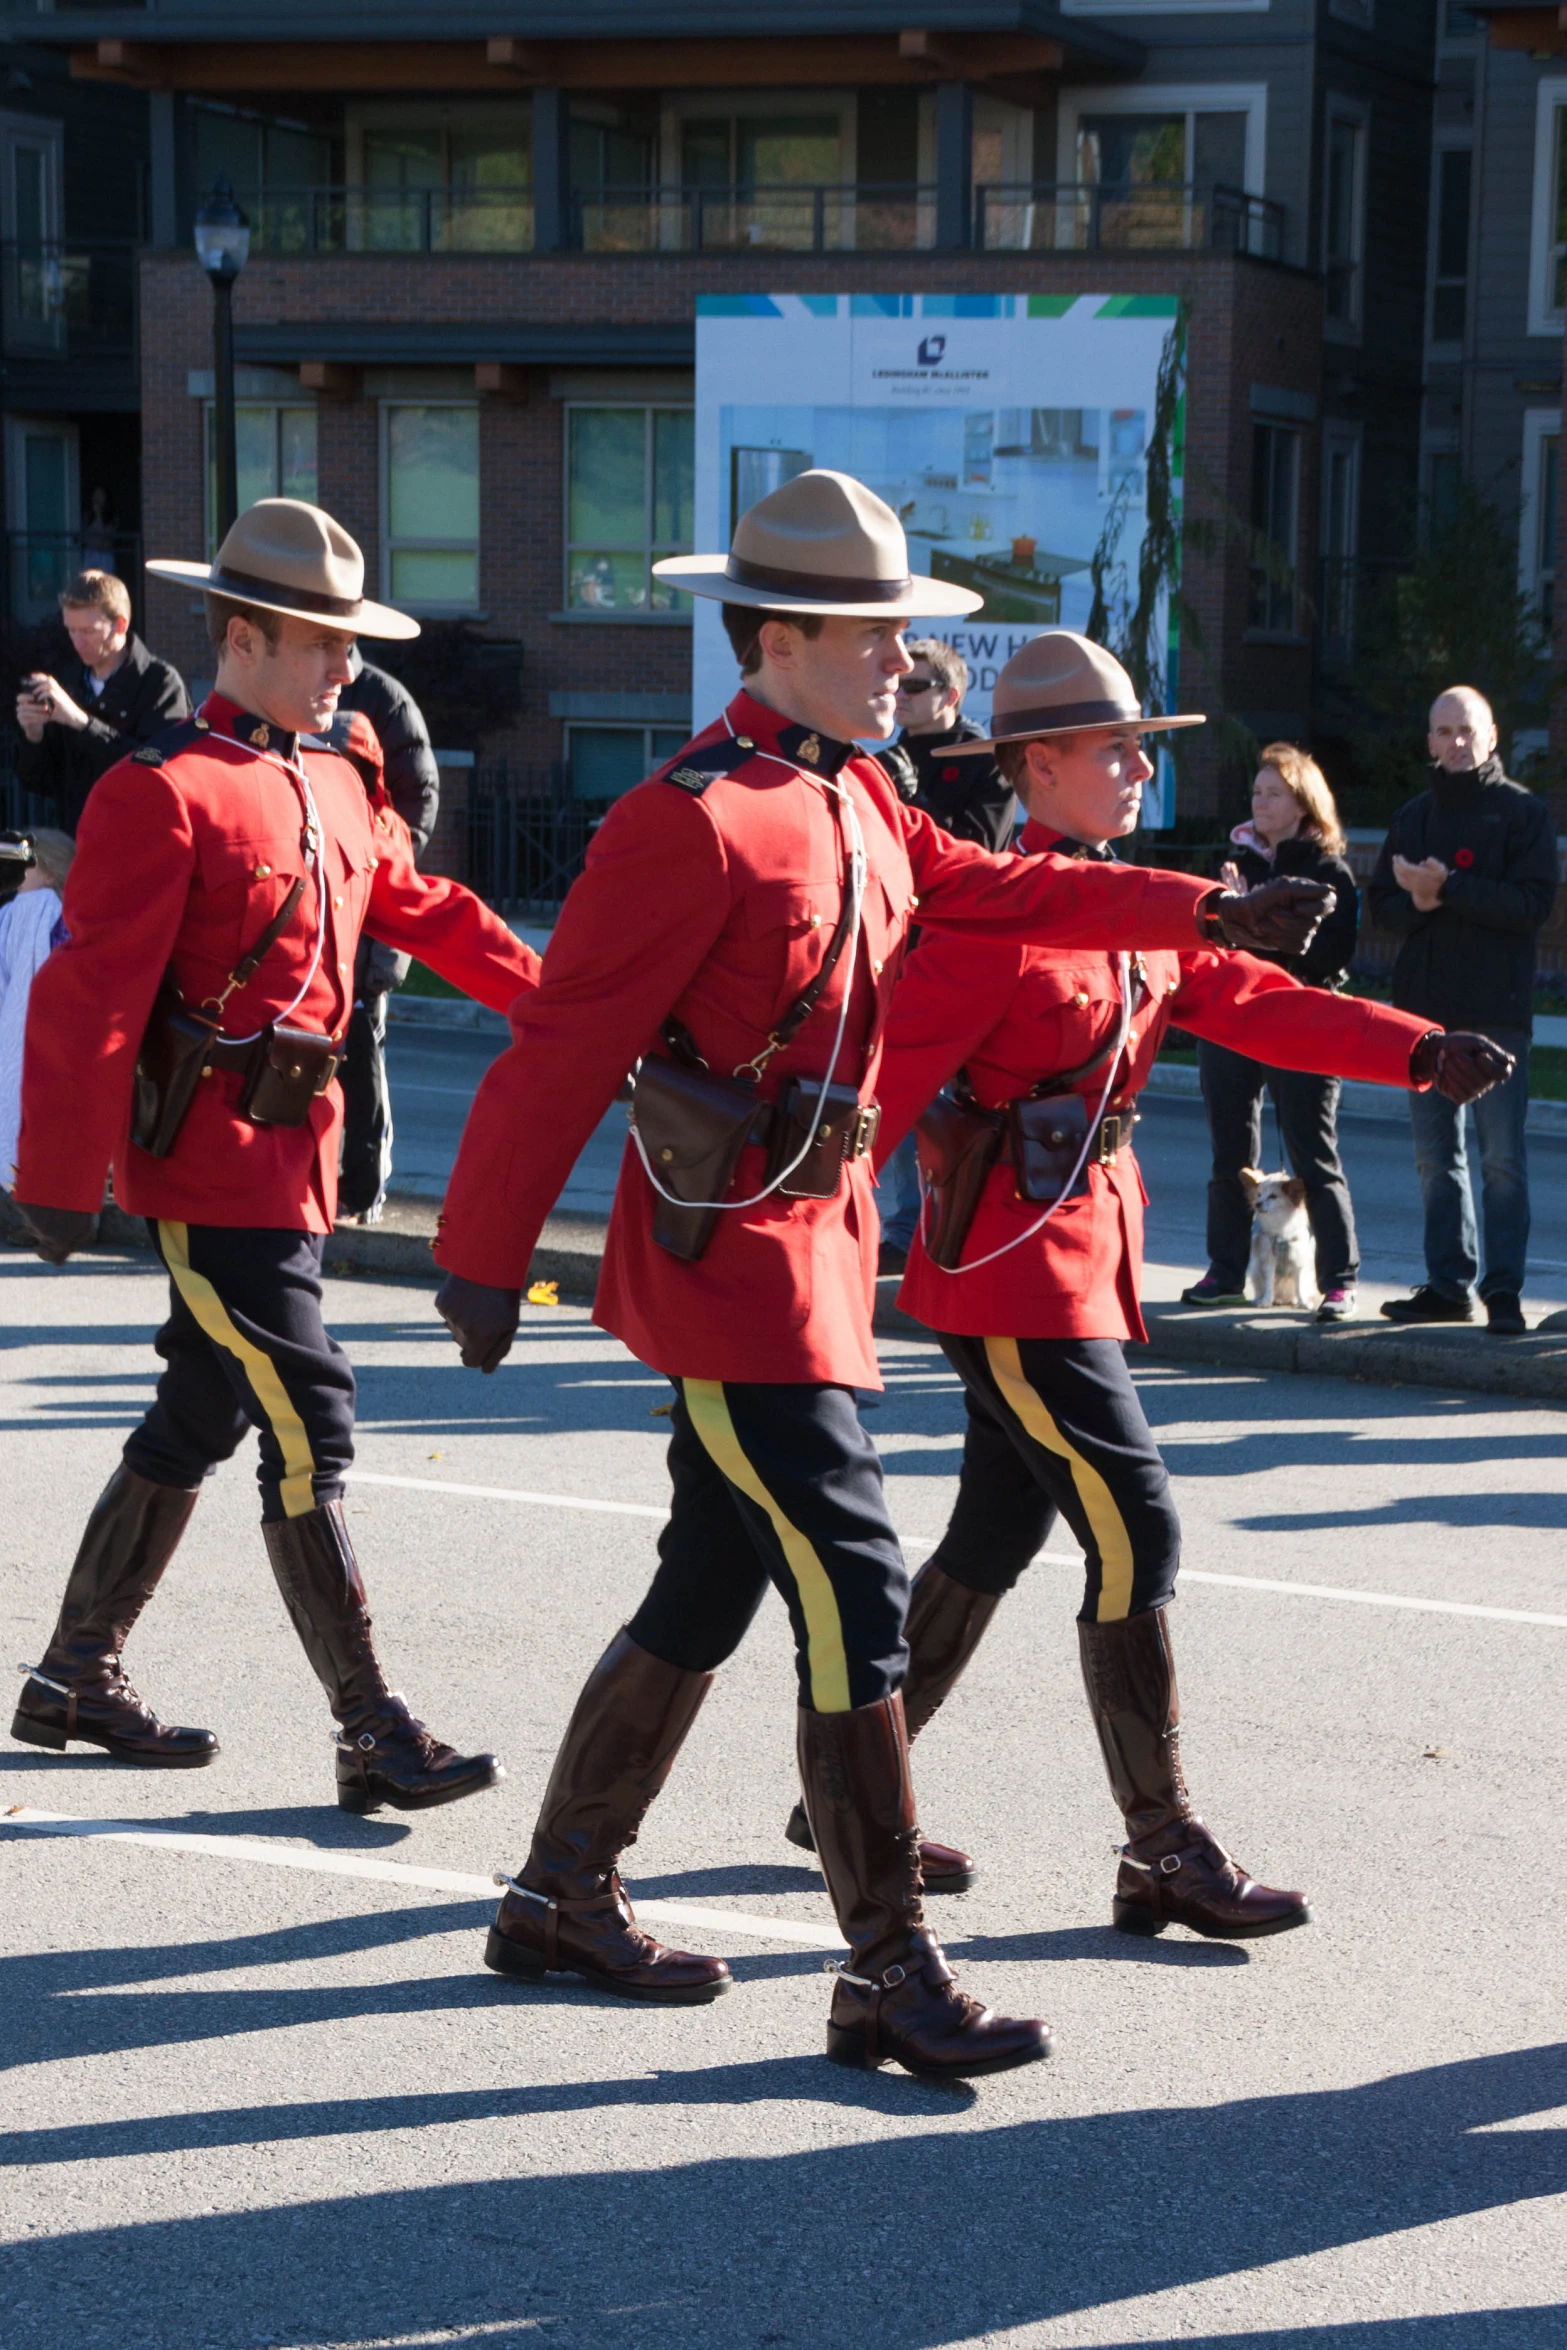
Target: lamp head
222,234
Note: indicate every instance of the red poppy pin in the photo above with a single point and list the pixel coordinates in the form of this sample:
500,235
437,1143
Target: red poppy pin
950,774
1463,858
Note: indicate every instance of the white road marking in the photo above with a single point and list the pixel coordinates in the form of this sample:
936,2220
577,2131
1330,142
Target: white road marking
686,1915
1049,1558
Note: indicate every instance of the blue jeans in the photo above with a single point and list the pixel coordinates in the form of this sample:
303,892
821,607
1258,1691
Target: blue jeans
898,1194
1441,1155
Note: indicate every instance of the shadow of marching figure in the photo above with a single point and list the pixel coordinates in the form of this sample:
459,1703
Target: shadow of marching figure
900,2243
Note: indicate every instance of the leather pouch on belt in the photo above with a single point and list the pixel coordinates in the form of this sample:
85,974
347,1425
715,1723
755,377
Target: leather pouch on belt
1044,1138
829,1127
693,1127
289,1068
168,1068
957,1143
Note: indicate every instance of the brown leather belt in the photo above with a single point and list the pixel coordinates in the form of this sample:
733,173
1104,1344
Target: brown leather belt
225,1053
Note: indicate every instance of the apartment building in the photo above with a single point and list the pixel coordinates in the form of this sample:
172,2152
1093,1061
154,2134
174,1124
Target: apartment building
479,237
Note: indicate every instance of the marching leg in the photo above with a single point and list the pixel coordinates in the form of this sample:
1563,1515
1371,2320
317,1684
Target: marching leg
1173,1871
567,1912
895,1997
78,1690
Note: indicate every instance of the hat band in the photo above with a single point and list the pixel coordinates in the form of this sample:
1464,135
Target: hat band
815,585
247,586
1063,716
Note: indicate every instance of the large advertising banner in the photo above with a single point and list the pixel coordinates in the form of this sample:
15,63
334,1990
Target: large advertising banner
1009,432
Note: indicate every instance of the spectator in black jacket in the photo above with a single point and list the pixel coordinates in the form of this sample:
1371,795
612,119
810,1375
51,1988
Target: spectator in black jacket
1467,875
1294,829
971,799
117,696
396,750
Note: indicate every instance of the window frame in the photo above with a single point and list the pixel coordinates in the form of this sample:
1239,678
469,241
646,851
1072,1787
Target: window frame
647,728
1356,115
1546,316
278,406
447,544
1188,98
654,548
1270,630
1539,426
1441,148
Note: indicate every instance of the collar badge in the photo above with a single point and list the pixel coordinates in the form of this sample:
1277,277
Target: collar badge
260,736
810,750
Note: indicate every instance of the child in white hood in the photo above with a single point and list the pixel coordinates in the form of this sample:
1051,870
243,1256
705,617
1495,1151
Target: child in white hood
30,929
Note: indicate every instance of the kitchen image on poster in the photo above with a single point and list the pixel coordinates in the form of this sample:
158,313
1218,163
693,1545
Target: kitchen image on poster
1005,430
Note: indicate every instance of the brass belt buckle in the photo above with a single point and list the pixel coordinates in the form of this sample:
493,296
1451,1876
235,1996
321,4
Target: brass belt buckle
863,1134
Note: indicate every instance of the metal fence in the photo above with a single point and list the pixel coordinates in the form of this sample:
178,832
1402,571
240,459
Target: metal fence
787,217
526,836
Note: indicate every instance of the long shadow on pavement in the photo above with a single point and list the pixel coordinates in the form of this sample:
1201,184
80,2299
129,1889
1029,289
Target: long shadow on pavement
902,2243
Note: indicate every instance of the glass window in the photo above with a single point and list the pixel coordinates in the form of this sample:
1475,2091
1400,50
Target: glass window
761,150
1449,292
276,450
1341,220
630,482
1545,545
1275,483
447,184
604,761
1132,150
430,499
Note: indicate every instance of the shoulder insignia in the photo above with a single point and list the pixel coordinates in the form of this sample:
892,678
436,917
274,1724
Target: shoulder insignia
169,739
695,769
148,756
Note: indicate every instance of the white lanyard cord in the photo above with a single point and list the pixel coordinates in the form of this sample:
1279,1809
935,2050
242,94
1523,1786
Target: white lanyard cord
315,865
850,818
1124,977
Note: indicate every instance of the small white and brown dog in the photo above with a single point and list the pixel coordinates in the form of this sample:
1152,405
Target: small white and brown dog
1282,1271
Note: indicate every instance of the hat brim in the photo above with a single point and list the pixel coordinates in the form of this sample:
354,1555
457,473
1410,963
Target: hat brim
366,619
706,575
1040,734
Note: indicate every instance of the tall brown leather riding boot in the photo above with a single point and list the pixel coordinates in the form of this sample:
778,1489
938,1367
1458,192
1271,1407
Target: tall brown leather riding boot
568,1913
1173,1871
78,1690
384,1753
946,1623
894,1997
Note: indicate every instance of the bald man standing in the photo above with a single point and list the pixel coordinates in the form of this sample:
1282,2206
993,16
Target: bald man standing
1466,877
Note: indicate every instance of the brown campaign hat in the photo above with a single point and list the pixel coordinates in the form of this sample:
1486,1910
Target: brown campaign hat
293,558
821,543
1059,683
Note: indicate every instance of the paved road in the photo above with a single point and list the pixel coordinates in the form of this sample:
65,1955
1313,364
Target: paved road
253,2104
434,1078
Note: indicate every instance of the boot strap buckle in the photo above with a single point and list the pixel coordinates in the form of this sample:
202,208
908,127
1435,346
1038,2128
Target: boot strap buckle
887,1982
1167,1867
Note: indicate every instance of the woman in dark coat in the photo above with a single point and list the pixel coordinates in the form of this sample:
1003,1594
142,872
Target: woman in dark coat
1294,829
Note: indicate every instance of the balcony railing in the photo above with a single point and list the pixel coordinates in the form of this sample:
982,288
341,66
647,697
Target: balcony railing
390,220
1139,219
68,298
787,218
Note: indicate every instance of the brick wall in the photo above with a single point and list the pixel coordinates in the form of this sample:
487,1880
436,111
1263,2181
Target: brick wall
1249,322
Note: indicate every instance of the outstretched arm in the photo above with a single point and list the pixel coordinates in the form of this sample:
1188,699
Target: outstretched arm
444,924
1256,1009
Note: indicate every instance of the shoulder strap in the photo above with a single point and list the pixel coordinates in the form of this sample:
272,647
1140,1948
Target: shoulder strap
695,769
249,964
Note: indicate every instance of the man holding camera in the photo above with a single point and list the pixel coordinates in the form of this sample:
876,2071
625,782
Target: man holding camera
123,696
188,1033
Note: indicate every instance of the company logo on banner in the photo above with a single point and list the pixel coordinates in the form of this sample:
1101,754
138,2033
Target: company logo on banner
1009,433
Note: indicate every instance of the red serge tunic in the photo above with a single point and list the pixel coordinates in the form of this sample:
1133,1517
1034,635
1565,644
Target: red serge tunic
1012,1015
186,852
711,892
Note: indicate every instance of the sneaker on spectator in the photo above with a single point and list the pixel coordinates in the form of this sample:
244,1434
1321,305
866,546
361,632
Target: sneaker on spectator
1338,1305
1504,1314
1210,1292
1428,1305
891,1260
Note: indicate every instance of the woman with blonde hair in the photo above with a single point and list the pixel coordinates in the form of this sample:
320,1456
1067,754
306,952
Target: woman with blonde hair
1294,829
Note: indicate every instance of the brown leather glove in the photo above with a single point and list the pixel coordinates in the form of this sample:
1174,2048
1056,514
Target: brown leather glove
481,1319
1277,918
57,1231
1460,1065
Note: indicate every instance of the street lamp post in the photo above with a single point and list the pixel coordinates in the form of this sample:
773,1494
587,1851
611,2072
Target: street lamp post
223,248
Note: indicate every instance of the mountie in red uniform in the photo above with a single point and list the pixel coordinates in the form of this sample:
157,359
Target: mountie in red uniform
1035,1332
711,893
188,851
